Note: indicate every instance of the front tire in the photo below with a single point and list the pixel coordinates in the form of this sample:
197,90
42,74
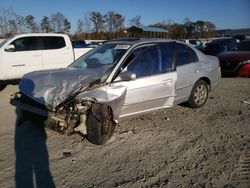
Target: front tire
100,124
199,94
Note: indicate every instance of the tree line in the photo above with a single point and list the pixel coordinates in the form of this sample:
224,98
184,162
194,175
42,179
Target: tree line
95,25
12,23
188,29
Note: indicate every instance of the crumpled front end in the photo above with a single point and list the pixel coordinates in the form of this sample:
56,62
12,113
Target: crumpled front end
79,113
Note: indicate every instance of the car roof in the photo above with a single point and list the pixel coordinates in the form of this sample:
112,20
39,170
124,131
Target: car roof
40,34
134,41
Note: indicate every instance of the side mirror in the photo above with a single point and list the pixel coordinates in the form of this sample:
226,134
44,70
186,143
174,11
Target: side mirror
127,76
10,48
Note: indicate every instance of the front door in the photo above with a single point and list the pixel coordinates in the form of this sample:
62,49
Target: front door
26,57
154,86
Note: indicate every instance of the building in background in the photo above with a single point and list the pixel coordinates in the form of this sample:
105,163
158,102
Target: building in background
147,32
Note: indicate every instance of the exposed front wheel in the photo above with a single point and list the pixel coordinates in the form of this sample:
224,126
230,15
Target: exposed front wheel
100,124
199,94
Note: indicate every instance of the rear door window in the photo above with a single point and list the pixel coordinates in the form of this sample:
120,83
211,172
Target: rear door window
52,43
152,60
185,55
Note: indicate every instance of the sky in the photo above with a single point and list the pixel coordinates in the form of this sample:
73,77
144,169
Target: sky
225,14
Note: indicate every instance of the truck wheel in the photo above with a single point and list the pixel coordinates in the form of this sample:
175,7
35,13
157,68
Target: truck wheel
199,94
2,85
100,124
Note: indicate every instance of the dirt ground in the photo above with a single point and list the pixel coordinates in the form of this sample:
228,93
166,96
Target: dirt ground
176,147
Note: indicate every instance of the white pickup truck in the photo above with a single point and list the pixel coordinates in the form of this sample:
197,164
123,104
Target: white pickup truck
25,53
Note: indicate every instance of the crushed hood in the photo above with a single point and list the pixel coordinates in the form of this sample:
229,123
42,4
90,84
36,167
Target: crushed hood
53,87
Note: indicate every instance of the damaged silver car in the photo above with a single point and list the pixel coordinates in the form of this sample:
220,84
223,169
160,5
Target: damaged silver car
119,79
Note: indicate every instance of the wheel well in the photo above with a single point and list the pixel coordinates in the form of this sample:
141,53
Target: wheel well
207,81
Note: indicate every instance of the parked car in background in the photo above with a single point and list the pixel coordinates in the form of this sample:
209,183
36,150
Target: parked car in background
240,37
79,44
220,45
236,63
195,42
24,53
116,80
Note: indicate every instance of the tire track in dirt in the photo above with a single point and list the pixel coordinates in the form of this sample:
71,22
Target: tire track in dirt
242,172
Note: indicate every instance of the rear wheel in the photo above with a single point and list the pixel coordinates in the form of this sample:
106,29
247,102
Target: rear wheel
2,85
199,94
100,124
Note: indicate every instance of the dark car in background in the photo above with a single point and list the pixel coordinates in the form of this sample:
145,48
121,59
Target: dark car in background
236,63
220,45
79,44
240,37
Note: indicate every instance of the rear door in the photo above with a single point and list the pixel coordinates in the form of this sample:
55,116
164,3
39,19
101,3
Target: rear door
188,71
26,57
154,86
56,53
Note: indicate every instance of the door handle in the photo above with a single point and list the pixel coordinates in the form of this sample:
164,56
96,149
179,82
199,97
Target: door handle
38,55
196,70
20,65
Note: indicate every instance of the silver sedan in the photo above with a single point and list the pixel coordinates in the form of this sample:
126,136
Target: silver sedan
119,79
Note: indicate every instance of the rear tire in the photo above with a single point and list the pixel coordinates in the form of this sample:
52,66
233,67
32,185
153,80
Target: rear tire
100,124
2,85
199,94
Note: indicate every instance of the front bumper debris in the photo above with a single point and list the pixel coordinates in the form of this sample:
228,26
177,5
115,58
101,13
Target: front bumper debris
25,104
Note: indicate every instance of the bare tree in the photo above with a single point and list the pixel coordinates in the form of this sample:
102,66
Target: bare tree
87,23
45,24
66,26
57,22
80,26
114,21
136,21
199,28
13,26
98,21
209,26
110,19
31,24
21,24
8,25
189,28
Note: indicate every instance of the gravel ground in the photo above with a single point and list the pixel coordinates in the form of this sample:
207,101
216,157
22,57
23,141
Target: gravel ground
176,147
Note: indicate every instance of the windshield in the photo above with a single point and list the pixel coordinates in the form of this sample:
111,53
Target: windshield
5,41
102,59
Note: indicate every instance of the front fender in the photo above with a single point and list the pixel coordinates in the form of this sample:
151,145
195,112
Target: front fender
113,96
